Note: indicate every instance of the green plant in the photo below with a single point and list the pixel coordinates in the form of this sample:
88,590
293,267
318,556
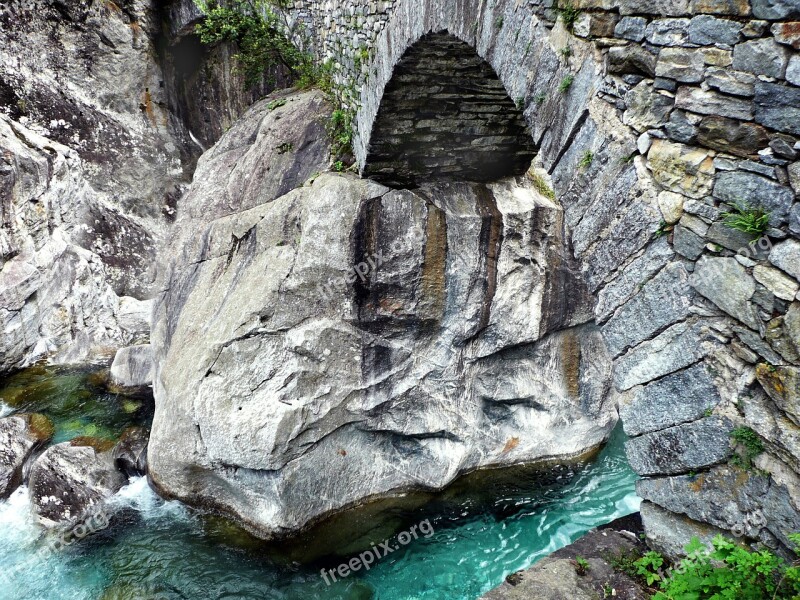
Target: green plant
581,565
586,159
520,103
276,104
339,166
748,219
566,51
648,566
498,23
285,147
259,33
729,571
565,84
750,444
708,412
340,130
663,229
539,98
540,185
569,15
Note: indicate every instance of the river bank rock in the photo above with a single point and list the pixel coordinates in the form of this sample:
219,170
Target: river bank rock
69,480
559,577
20,436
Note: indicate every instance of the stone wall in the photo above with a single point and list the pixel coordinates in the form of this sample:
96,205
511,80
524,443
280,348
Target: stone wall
651,119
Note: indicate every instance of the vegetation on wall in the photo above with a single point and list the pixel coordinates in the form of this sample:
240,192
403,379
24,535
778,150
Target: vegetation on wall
265,40
748,219
262,37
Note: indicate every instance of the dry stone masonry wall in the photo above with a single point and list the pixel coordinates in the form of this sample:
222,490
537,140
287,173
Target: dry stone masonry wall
651,119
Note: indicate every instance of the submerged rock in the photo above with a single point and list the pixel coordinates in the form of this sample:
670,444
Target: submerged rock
70,480
20,436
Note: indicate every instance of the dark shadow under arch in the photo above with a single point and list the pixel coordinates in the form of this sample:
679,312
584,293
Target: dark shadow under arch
446,115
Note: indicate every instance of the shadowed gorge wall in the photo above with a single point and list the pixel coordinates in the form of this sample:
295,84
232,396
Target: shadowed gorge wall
446,115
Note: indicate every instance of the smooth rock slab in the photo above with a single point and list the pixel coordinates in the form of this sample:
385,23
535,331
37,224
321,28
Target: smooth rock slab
68,482
290,388
678,398
679,449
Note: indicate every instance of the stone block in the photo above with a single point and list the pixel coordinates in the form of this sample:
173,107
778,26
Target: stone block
678,398
761,57
727,284
682,448
712,103
706,30
733,136
740,187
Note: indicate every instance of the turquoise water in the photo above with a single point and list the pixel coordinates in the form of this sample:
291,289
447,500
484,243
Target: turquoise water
160,550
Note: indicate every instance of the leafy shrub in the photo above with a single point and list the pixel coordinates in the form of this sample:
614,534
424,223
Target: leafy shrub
748,219
729,571
260,35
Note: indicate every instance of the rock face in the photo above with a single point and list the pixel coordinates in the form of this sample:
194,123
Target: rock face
55,297
359,341
99,133
20,436
68,481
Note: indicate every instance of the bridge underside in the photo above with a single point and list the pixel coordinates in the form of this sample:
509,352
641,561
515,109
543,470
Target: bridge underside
446,115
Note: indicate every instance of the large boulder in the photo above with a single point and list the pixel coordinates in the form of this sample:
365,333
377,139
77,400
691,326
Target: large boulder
132,368
347,341
70,480
20,436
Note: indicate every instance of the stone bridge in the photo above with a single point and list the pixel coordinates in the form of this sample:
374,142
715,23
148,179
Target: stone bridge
647,120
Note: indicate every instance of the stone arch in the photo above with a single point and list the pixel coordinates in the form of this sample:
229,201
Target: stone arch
446,115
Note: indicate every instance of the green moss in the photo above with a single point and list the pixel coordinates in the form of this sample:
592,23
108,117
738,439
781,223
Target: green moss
541,186
569,15
99,444
41,427
749,446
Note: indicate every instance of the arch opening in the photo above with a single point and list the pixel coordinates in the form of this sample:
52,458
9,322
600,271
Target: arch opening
445,115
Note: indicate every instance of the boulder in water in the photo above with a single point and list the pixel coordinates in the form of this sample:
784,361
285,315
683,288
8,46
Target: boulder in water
20,436
130,453
72,479
132,369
